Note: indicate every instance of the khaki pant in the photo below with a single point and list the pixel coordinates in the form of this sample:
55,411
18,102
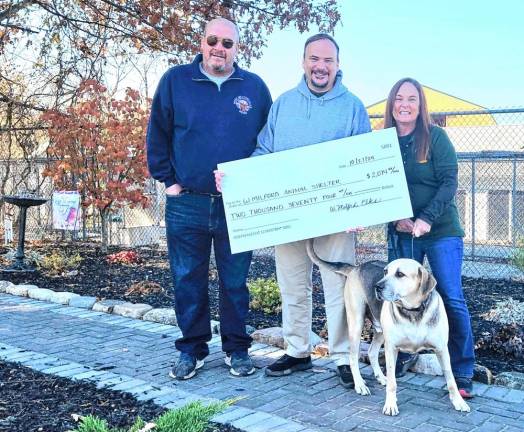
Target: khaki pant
294,269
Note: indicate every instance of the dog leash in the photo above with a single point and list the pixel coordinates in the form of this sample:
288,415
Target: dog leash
412,245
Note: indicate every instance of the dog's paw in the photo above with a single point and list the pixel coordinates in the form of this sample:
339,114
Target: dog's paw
390,408
381,379
461,405
362,389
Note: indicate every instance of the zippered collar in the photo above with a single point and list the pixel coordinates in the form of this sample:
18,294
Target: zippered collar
197,75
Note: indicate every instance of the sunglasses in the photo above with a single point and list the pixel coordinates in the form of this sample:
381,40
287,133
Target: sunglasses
226,43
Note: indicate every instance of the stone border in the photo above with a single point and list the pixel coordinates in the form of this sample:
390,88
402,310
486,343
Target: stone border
166,316
140,311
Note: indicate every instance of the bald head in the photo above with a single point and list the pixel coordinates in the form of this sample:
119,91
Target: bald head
221,22
219,47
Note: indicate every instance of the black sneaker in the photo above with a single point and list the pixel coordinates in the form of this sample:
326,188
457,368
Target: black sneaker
404,362
465,387
286,365
345,377
186,367
240,363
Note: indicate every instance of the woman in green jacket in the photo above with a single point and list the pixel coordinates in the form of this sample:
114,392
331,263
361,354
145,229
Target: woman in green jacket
431,168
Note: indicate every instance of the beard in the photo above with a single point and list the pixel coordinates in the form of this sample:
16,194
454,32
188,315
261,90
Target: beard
319,85
217,64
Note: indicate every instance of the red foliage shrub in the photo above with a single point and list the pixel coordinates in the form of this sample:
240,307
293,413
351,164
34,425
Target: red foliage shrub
123,257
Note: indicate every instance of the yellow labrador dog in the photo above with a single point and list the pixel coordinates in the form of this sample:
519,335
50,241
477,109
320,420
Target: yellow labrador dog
407,314
413,319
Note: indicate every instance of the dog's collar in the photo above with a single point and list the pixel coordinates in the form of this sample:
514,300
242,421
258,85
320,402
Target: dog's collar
421,308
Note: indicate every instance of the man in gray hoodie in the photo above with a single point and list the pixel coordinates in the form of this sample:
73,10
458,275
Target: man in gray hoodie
319,109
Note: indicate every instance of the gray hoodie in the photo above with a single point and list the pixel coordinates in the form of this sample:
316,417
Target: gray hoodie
299,118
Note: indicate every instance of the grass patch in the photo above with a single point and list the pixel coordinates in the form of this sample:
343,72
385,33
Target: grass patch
193,417
92,424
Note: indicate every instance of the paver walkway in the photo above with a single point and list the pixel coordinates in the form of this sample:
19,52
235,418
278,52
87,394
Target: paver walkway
135,356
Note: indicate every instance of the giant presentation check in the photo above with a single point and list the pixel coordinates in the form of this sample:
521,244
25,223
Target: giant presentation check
314,190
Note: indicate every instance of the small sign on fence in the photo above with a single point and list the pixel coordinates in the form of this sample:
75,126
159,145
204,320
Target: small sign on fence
66,210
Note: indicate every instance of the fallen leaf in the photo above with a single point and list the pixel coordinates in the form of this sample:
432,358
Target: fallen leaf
148,427
77,417
321,351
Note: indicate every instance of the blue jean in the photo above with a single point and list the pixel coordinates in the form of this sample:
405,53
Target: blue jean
192,222
445,259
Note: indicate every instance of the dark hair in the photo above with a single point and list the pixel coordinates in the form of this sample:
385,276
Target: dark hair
320,36
423,123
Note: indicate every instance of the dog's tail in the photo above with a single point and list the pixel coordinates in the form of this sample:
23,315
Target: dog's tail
337,267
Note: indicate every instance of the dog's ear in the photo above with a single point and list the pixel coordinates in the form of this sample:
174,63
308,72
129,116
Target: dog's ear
427,281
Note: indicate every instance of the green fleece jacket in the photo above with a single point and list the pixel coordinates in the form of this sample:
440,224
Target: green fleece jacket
433,184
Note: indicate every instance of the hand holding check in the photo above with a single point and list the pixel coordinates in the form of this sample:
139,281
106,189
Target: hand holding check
218,179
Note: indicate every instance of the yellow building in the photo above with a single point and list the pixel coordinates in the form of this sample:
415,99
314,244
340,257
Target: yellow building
440,102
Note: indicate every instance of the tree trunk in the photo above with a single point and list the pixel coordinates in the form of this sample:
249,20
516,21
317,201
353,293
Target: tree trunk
104,216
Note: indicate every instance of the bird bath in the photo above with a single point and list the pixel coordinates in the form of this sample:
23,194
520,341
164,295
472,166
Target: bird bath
23,200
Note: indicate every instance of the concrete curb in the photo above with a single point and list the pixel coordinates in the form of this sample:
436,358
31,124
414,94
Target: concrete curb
116,307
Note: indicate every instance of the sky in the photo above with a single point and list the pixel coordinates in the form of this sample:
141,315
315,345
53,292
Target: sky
471,49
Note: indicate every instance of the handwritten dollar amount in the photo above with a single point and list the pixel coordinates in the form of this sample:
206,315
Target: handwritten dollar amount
382,172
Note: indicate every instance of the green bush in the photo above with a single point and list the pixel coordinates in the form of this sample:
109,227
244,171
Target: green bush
31,257
265,295
517,259
57,263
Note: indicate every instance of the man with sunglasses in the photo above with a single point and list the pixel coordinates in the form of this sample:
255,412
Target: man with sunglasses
205,113
319,109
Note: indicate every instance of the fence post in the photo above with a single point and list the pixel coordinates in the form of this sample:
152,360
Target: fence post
473,203
513,203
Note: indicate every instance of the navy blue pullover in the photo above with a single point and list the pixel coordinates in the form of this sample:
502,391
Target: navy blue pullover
194,124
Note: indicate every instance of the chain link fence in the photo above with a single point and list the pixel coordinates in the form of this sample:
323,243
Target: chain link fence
490,196
490,199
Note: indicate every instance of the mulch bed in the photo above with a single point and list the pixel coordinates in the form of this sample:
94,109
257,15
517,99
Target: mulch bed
32,401
35,400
